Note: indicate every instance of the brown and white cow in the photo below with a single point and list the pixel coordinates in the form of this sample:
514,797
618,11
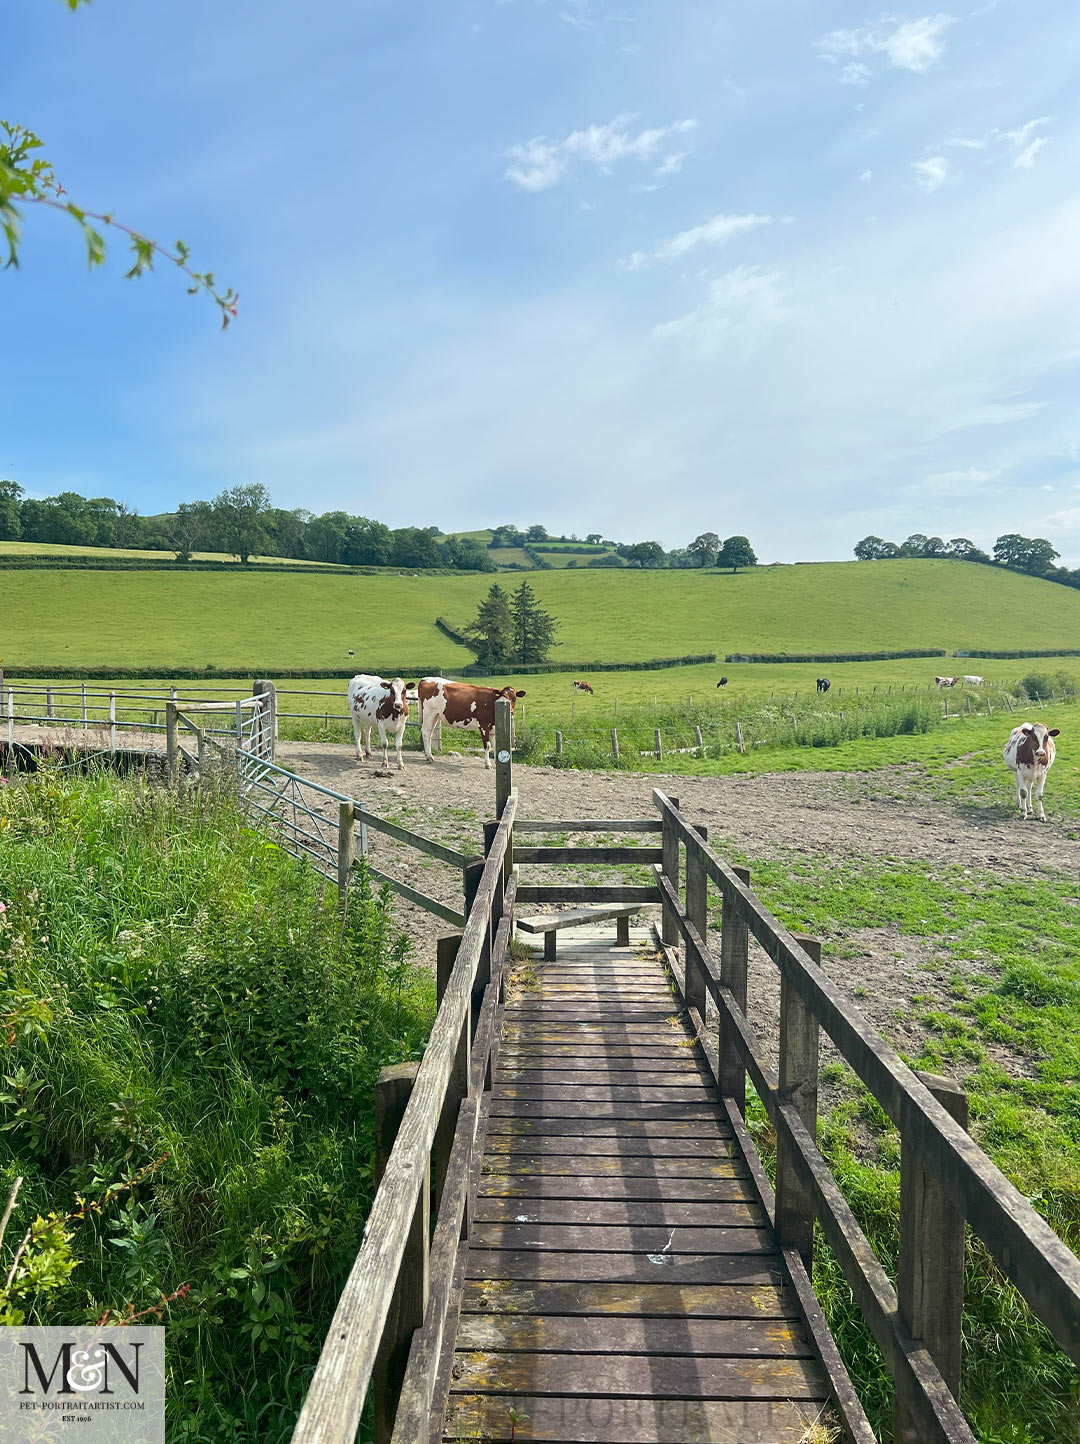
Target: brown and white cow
583,687
946,681
1030,752
459,704
375,702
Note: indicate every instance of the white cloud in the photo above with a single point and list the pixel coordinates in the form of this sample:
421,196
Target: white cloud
931,175
715,232
1026,158
866,177
964,481
539,164
1019,146
746,300
914,45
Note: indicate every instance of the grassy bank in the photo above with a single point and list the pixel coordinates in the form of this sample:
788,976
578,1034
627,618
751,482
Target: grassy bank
998,1012
193,1039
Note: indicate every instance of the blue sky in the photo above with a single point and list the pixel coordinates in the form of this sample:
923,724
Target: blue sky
799,270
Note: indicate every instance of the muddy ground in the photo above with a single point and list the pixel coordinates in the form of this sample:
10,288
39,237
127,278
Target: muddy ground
833,814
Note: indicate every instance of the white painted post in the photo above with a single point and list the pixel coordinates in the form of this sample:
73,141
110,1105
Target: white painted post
10,716
84,705
50,709
112,721
239,723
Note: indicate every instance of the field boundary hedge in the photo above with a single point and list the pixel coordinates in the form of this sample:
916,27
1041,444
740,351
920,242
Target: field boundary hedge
14,675
28,562
1013,656
657,664
839,656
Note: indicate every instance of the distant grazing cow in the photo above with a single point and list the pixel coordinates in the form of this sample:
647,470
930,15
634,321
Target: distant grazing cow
1030,753
374,702
583,687
946,681
722,682
823,684
460,705
974,681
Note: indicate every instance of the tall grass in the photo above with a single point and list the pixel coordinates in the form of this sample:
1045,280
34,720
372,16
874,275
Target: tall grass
172,985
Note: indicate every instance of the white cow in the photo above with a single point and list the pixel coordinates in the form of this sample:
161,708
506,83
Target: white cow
1030,752
374,702
971,681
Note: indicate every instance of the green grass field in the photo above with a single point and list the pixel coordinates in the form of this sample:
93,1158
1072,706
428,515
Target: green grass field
57,549
290,620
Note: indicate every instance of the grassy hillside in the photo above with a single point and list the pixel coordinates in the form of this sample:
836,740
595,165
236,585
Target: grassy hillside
57,549
283,620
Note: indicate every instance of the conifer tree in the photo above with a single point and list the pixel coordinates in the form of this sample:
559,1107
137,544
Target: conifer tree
534,628
492,631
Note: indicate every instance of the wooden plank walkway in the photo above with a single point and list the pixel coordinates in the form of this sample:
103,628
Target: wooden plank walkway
621,1281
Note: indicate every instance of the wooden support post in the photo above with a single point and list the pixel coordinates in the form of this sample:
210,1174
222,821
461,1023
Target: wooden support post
550,945
659,749
739,744
392,1093
268,726
112,721
457,1088
799,1039
697,904
346,848
930,1282
614,745
669,928
172,755
84,705
504,756
699,739
10,716
50,710
734,944
622,931
558,744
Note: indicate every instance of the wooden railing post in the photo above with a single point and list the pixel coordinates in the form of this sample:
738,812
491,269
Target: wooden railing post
392,1093
346,848
734,952
798,1077
697,911
172,755
669,841
112,721
930,1280
50,709
504,754
458,1086
267,716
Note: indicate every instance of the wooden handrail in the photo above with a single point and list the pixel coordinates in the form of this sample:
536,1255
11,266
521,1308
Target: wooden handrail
335,1399
1024,1246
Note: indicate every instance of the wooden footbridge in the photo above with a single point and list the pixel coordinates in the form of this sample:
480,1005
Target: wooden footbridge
573,1237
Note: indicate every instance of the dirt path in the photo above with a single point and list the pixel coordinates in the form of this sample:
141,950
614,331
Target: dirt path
832,814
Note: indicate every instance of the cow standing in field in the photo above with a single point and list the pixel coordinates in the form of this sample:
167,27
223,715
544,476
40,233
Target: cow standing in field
823,684
583,687
940,682
972,681
1030,752
375,702
722,682
459,704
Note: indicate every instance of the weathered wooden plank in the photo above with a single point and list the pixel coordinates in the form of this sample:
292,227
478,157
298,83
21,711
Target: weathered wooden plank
602,1334
569,1266
581,917
530,1006
630,1110
587,1420
633,1213
617,1055
603,1238
673,1076
625,1166
535,1093
528,1188
414,839
627,1375
607,856
592,824
585,892
712,1146
636,1300
624,1128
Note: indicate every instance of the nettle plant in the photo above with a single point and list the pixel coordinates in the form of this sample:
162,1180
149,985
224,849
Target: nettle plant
28,178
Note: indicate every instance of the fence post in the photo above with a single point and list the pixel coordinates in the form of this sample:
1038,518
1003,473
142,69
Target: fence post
268,723
659,749
84,706
930,1281
112,721
457,1088
346,848
734,940
799,1038
50,710
558,744
697,912
392,1093
739,744
699,738
10,715
670,863
614,744
504,754
172,756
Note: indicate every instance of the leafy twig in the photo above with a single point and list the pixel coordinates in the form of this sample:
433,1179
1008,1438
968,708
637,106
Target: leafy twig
12,1196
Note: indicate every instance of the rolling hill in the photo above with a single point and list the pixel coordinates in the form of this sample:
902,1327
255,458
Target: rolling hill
244,619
